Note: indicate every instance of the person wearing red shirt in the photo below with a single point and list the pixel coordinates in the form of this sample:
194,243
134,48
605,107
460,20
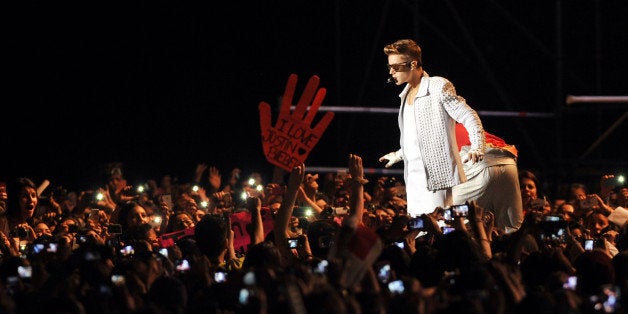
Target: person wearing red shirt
493,182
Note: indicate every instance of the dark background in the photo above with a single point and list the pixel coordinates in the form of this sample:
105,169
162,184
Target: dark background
162,85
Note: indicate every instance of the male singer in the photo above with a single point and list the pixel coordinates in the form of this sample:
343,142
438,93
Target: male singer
428,114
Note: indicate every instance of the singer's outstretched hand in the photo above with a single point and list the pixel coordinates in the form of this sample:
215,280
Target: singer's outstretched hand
291,140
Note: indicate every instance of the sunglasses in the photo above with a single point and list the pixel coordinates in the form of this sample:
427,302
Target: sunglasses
400,67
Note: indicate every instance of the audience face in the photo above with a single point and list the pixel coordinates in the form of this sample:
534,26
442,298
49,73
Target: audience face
136,216
567,210
182,221
116,182
597,222
528,189
42,229
22,200
28,201
152,238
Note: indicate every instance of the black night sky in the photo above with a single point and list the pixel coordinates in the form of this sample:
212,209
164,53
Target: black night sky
164,85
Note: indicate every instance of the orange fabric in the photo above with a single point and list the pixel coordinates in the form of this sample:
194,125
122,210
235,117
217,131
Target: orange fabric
462,137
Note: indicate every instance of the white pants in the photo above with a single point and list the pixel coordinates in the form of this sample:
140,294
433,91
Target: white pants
495,188
420,199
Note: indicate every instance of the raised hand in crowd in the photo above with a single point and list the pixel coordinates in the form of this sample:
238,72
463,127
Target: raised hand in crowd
282,219
198,172
214,178
254,206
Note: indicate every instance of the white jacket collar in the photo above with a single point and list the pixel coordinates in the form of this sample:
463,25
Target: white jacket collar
422,87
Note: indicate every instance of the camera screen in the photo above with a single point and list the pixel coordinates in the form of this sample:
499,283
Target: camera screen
184,265
571,283
82,238
38,247
558,235
220,276
127,250
24,271
396,286
244,296
321,267
292,243
552,218
339,211
459,210
52,247
383,274
249,278
415,223
400,244
117,279
447,216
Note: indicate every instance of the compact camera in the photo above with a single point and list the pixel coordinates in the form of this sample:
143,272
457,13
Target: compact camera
553,230
19,232
590,244
455,211
114,228
340,211
94,214
293,243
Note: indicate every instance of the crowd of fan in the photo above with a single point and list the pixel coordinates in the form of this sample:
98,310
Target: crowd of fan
338,243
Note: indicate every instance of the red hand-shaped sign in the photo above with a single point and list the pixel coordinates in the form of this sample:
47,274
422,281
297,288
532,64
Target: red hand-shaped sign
291,140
